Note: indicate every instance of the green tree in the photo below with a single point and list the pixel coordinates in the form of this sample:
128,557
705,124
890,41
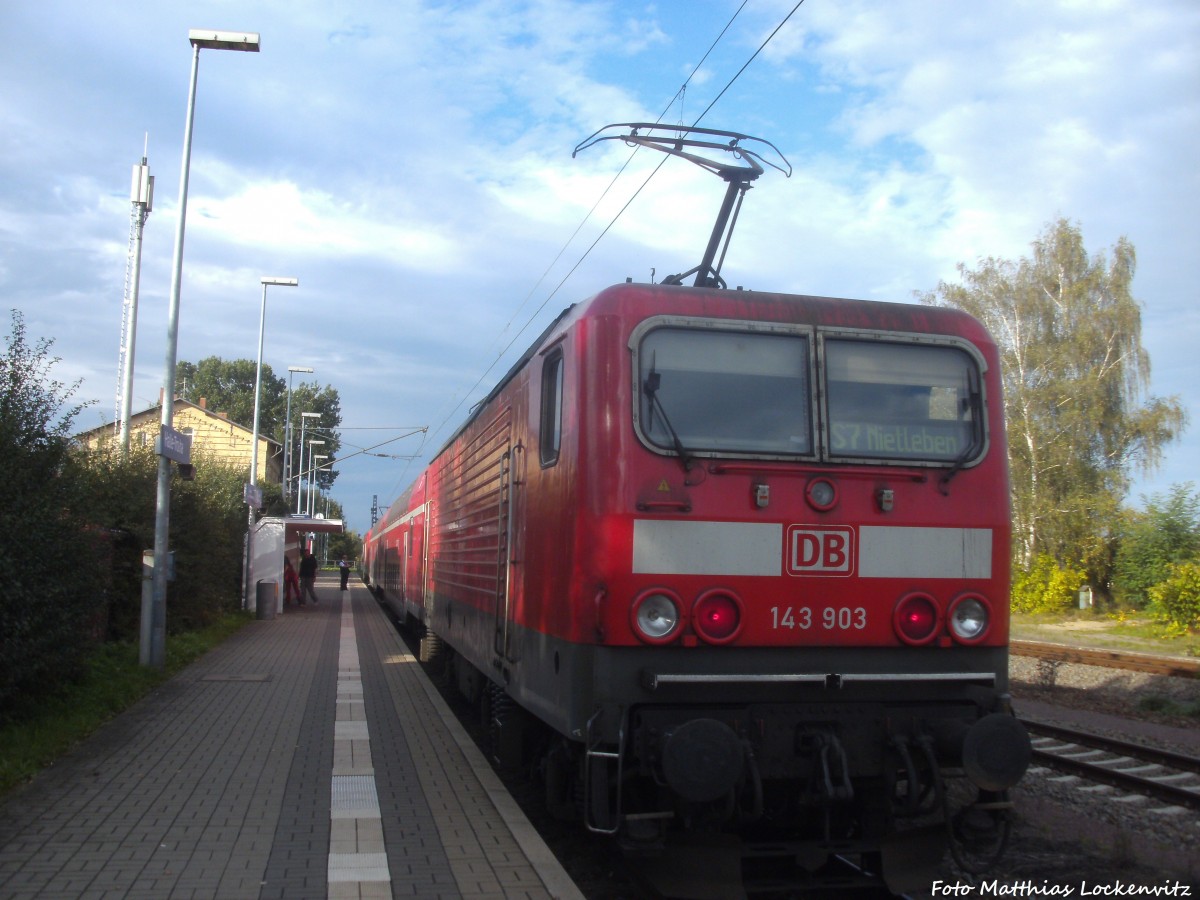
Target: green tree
348,544
228,387
1151,542
325,402
48,552
1074,371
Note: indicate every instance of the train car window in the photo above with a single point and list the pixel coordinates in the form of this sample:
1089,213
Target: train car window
725,391
901,401
551,422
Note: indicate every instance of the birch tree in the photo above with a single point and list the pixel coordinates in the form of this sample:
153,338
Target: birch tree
1074,373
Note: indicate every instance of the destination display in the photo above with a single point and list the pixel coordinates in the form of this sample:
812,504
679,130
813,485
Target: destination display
904,441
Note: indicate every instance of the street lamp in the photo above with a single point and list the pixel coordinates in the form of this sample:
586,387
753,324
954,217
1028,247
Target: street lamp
312,474
253,496
304,417
262,321
287,433
313,442
153,649
312,462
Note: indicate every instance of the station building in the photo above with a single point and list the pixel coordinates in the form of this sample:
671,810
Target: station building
214,432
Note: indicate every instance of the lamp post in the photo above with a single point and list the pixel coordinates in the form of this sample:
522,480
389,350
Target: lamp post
312,462
312,505
304,417
253,495
287,433
153,649
313,442
262,321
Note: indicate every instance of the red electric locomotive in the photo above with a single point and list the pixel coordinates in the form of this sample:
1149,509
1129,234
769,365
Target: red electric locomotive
734,561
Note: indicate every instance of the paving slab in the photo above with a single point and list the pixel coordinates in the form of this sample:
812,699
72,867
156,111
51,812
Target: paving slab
307,756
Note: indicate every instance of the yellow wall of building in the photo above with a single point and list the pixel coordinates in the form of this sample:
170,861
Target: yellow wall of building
217,435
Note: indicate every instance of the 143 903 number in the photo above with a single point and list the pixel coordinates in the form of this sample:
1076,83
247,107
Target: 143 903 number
830,618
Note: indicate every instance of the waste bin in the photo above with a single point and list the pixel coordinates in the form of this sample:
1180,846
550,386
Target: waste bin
266,594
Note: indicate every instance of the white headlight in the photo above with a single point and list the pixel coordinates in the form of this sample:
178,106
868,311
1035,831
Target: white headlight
821,494
657,616
969,619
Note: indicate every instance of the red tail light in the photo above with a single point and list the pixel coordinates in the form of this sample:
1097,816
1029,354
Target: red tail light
717,617
916,619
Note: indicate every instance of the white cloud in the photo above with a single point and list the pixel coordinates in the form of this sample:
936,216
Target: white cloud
281,217
410,162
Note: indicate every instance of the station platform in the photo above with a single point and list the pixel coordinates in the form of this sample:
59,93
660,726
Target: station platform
306,757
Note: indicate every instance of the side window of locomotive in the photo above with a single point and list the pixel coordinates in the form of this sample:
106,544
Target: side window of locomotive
897,401
725,391
551,419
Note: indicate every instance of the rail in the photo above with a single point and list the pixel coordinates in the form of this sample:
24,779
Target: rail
1162,774
1112,659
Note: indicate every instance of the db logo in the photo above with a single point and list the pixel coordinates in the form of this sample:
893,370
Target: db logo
820,551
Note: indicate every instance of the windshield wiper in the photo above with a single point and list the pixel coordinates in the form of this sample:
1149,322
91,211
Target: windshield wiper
975,406
650,388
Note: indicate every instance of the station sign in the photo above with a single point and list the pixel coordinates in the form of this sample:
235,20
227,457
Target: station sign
252,494
174,445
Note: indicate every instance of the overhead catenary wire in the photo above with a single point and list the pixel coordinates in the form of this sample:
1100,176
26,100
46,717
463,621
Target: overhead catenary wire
637,192
588,215
587,252
414,429
574,234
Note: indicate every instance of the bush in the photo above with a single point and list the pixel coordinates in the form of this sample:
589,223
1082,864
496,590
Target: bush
1167,532
1046,587
52,597
1178,598
73,526
207,526
121,496
208,530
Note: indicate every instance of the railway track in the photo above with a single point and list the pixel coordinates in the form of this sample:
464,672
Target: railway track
1112,659
1171,778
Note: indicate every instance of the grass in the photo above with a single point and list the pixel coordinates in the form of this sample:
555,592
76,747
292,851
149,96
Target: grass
1135,632
1166,706
113,681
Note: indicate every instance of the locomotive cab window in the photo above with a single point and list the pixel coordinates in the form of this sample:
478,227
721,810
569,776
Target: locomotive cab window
551,418
713,391
902,401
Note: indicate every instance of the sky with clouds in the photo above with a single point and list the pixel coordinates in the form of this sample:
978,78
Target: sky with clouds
411,163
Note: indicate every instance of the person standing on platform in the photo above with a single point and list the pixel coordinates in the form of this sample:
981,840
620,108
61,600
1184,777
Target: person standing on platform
308,577
291,582
344,569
